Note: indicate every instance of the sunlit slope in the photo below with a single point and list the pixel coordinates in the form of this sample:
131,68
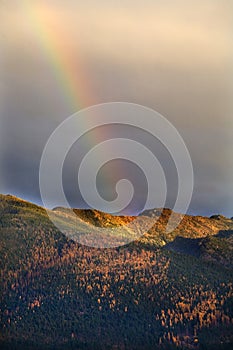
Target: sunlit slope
85,226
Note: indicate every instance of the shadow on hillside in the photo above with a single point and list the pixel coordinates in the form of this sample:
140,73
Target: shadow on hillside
224,234
220,244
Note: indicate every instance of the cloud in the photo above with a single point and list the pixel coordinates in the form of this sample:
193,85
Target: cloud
173,56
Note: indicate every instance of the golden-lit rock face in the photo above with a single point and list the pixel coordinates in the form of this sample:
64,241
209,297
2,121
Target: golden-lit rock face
101,219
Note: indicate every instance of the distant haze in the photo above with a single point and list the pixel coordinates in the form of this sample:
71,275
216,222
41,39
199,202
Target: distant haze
173,56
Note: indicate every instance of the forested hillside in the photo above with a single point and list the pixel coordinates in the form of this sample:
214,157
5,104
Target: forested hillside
163,291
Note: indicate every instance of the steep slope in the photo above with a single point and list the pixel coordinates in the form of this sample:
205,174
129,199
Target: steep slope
58,294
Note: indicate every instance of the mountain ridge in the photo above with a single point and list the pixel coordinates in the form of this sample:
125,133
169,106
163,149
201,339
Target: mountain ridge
152,293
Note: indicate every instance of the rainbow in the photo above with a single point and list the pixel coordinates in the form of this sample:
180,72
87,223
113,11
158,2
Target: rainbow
67,67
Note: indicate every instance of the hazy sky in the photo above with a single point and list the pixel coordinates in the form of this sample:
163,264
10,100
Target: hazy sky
173,56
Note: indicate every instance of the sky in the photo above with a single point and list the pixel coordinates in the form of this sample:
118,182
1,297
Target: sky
57,57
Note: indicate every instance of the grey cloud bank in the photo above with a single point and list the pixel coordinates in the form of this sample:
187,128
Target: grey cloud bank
170,56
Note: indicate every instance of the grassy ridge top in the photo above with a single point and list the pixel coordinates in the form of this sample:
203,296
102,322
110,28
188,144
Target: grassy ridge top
20,213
